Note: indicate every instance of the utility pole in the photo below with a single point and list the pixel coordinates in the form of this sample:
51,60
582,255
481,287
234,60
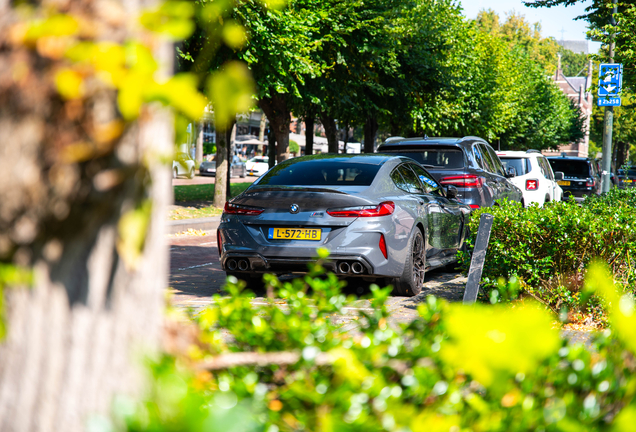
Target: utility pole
608,120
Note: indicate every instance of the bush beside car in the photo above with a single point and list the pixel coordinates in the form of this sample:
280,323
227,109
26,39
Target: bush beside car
258,367
548,249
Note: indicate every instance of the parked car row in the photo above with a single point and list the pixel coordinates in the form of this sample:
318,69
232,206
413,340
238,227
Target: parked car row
389,216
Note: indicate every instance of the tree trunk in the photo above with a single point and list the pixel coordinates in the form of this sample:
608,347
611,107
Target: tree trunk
278,114
329,123
261,130
622,149
271,148
346,138
90,222
220,178
370,133
198,152
309,135
231,136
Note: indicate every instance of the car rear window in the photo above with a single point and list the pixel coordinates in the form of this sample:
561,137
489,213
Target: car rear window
521,165
442,158
257,159
320,173
629,172
571,167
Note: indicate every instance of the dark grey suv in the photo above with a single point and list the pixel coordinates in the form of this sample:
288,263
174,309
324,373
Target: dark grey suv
468,163
580,177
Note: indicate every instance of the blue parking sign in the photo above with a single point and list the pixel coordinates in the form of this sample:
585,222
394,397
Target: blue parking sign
610,81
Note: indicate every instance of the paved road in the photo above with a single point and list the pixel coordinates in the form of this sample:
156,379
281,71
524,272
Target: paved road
195,275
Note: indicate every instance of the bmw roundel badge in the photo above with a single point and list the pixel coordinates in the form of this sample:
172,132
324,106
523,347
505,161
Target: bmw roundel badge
294,208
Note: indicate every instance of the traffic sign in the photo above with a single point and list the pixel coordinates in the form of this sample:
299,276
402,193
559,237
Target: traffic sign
610,82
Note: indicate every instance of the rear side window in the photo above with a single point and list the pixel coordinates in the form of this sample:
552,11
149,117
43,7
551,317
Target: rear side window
545,168
430,185
320,173
411,183
571,167
495,161
437,157
489,165
521,165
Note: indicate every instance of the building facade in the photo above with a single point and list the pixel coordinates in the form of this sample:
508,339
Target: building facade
578,90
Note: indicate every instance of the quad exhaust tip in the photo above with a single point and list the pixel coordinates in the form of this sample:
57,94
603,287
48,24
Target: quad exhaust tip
243,265
357,268
231,264
344,267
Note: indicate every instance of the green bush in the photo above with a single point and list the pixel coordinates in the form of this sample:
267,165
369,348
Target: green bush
546,250
480,368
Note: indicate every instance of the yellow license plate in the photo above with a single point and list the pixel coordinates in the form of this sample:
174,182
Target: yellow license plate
563,183
294,234
627,181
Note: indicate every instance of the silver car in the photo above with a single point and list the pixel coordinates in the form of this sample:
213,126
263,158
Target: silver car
381,217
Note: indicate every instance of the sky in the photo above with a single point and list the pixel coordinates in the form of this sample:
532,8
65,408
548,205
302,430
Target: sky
553,20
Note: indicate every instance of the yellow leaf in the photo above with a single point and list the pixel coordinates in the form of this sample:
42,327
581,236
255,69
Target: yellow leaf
230,90
69,83
56,25
172,18
234,35
132,229
489,342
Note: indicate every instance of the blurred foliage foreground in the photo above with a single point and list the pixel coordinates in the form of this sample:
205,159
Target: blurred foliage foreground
289,366
544,252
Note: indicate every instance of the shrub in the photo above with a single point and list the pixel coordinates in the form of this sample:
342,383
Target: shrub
296,365
548,249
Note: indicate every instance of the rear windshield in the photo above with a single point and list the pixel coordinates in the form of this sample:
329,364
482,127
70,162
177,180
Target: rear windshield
320,173
442,158
259,159
630,172
521,165
571,168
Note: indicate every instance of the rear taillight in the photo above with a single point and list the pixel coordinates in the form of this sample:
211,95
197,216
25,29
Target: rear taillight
532,185
473,206
590,183
241,210
464,181
382,209
219,241
382,246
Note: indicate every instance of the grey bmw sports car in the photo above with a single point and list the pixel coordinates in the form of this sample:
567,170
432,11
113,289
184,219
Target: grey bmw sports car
380,216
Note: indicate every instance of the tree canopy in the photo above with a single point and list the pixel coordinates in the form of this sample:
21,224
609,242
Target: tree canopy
410,67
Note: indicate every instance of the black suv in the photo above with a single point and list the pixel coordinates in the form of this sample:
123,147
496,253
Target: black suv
627,177
468,163
580,176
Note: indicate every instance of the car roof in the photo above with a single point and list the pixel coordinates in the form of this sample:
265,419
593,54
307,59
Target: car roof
569,158
368,158
511,153
400,142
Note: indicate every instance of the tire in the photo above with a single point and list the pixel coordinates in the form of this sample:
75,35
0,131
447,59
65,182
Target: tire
412,279
191,173
175,173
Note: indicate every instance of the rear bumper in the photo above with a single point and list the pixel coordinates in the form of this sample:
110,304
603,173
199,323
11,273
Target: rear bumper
349,265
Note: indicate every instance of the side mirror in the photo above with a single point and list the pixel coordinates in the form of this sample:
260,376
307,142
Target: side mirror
451,192
558,175
511,172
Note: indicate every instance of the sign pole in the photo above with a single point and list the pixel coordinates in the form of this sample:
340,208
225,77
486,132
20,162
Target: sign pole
608,121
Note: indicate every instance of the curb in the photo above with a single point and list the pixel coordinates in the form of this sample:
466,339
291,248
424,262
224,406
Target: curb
205,224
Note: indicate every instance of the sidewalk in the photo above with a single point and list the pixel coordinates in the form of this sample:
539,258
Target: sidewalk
205,224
